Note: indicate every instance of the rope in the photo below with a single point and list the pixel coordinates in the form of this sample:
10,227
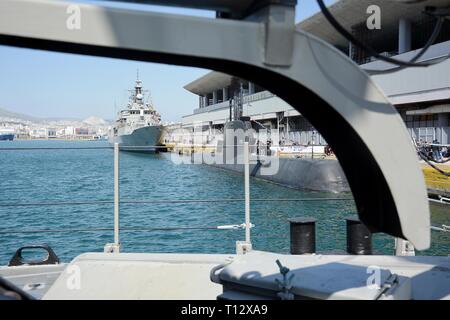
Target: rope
431,159
164,201
38,204
425,158
443,228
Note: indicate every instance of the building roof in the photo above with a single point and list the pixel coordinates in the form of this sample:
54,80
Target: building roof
209,82
348,13
352,12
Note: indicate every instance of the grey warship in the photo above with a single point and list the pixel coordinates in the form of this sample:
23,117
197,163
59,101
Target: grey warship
138,127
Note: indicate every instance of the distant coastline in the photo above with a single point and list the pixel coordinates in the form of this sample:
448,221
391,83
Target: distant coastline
60,139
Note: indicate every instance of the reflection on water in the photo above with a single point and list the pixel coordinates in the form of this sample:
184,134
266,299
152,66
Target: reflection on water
80,175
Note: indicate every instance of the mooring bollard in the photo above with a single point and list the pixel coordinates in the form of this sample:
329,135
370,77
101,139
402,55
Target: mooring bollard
359,238
303,235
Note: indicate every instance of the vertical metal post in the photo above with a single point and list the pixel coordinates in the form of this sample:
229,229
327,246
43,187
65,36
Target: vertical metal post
404,35
359,238
303,235
350,50
404,248
287,127
116,194
247,192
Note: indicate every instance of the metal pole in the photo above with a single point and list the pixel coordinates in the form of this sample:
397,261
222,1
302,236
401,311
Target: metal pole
247,192
287,127
404,248
359,238
116,194
303,235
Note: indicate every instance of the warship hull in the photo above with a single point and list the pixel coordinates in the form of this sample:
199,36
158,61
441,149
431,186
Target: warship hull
143,140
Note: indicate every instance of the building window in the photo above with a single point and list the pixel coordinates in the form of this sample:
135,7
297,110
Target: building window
444,119
209,99
421,121
427,134
219,96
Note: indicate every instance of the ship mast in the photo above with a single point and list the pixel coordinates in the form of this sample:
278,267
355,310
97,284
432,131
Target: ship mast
137,96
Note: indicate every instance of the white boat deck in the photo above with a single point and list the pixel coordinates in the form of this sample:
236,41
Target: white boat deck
342,277
34,280
138,276
187,276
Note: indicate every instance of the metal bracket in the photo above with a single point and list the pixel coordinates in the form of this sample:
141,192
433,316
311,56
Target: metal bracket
18,260
111,248
235,226
404,248
279,27
388,285
285,285
243,247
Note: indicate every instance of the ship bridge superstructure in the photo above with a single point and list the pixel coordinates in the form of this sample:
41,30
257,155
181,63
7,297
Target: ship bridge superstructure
138,113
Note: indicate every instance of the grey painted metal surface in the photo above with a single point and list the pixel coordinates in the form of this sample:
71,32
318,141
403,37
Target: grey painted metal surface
311,174
187,276
34,280
145,137
412,85
343,277
139,276
230,6
346,101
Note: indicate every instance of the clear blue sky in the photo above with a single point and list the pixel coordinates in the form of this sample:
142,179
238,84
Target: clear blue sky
46,84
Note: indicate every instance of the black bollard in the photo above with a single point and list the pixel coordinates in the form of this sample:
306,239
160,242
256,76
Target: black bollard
303,235
359,238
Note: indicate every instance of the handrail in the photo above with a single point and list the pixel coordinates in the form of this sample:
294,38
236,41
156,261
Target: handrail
444,228
116,196
221,227
115,246
166,201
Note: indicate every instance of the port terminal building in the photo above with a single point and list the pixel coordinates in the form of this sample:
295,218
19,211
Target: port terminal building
420,94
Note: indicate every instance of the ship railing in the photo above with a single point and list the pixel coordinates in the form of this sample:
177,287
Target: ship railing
56,203
115,246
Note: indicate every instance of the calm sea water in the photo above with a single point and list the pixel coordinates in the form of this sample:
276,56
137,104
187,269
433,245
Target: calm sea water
86,175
